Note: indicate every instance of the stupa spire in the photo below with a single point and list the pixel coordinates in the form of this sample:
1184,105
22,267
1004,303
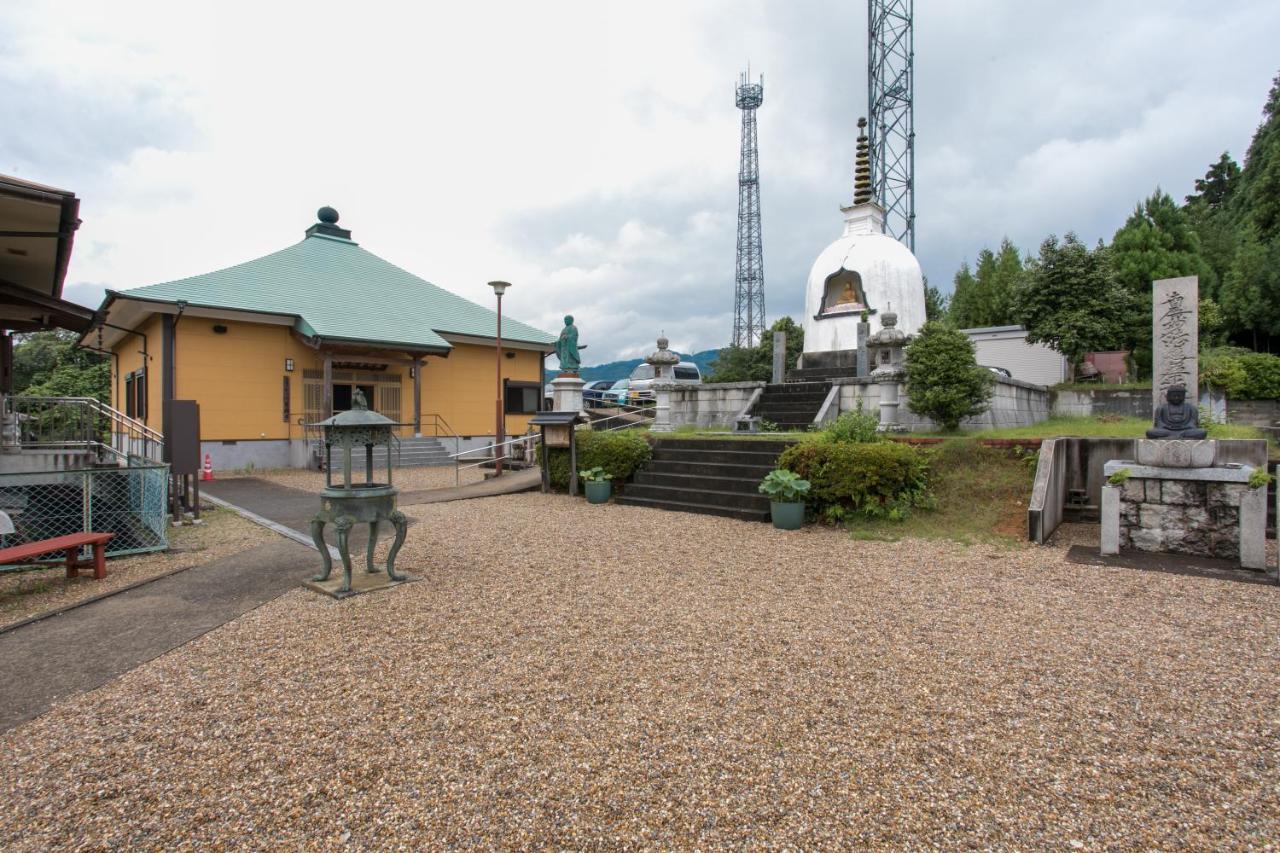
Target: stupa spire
862,166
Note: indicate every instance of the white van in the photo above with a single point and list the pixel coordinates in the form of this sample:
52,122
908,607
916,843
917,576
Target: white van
685,373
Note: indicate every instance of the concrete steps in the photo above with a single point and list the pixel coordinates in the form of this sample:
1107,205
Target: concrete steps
791,405
710,477
418,452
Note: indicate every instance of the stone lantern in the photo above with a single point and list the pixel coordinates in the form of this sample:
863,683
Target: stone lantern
664,362
886,351
348,503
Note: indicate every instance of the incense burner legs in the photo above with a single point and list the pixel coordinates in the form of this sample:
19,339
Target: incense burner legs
346,512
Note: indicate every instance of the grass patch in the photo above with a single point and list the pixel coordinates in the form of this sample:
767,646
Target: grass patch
1106,426
981,493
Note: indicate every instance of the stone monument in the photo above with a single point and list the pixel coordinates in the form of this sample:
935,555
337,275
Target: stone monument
1175,337
1177,495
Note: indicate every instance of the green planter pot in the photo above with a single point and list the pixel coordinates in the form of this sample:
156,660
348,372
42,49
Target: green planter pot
787,516
598,492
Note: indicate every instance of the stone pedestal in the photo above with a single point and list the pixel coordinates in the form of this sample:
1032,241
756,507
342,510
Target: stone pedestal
566,393
1207,511
889,380
662,407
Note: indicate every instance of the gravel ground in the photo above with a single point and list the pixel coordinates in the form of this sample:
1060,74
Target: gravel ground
26,594
405,479
694,682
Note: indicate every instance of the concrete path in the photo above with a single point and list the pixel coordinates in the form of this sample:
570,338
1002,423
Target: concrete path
294,508
84,648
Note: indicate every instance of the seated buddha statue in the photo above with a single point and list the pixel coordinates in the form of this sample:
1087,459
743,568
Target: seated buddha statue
1176,418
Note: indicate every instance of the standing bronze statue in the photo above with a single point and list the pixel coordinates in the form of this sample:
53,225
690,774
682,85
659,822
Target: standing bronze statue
1176,418
567,348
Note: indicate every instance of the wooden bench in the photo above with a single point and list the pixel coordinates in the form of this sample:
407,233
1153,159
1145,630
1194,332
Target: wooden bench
72,545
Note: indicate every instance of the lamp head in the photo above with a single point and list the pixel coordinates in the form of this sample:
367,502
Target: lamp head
499,286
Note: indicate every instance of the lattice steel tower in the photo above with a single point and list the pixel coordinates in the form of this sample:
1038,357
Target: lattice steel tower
890,60
748,303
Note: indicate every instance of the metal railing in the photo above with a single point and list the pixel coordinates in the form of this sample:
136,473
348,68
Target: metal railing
78,424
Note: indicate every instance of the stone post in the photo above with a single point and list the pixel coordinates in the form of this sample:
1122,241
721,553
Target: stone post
1110,520
662,407
889,380
1253,528
1175,337
779,357
864,331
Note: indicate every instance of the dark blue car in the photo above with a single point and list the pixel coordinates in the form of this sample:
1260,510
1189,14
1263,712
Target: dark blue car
593,393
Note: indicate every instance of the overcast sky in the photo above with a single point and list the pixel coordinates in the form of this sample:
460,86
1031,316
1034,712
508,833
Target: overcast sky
588,152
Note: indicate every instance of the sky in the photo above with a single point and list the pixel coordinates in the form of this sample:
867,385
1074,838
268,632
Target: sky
587,152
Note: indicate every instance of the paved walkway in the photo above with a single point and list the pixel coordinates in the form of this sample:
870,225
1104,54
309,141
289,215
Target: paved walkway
84,648
294,508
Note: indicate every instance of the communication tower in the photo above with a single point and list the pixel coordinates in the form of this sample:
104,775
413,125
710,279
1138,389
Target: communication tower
748,305
890,74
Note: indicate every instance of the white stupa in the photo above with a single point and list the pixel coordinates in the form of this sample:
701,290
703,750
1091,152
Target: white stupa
863,271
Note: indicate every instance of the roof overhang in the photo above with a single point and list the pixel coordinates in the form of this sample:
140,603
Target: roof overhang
121,313
507,343
337,343
37,229
24,310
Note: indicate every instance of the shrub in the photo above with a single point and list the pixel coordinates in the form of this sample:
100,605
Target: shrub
882,480
857,427
619,454
1244,375
944,381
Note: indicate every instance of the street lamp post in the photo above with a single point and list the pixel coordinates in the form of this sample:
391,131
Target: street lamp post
499,287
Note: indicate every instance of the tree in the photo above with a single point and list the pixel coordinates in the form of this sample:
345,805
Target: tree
985,297
1070,300
49,364
1251,292
936,306
944,381
755,364
1157,241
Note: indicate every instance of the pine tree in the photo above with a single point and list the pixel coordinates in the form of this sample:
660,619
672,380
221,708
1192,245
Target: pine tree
985,297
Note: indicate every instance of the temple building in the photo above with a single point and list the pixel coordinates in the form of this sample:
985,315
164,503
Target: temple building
863,273
272,345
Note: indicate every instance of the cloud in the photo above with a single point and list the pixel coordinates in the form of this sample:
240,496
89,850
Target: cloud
588,152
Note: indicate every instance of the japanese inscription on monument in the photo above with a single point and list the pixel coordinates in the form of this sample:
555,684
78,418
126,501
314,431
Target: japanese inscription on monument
1175,339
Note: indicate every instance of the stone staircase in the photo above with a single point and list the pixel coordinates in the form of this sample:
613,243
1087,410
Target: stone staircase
791,405
427,450
707,476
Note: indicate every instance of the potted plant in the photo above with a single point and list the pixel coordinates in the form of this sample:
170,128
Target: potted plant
597,485
786,493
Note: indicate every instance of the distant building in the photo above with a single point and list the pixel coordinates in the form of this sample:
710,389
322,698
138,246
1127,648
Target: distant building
273,344
1007,347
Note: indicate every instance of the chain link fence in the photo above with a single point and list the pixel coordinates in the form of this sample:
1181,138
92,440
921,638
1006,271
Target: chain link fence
129,502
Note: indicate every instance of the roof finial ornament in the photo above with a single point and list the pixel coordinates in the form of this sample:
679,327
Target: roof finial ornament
327,215
862,167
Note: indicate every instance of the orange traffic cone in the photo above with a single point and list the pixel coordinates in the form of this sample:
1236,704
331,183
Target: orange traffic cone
207,473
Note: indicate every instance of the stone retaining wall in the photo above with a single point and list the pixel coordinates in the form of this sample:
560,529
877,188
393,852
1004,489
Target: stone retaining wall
1014,403
712,403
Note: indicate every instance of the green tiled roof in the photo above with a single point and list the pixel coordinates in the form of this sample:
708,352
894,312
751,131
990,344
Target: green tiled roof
338,290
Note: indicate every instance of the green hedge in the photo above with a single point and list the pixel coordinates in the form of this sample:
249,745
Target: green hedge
1244,375
881,480
619,453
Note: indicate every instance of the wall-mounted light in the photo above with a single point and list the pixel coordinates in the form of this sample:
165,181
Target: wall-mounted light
219,329
288,365
510,354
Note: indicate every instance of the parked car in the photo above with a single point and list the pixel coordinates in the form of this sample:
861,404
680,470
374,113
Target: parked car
1001,371
593,393
616,395
685,373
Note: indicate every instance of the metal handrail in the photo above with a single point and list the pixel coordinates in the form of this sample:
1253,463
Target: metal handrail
80,422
